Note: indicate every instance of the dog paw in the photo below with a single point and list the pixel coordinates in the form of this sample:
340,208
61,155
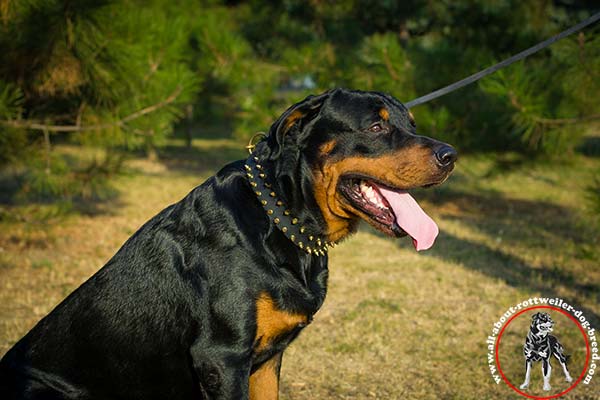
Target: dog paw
568,378
524,386
547,387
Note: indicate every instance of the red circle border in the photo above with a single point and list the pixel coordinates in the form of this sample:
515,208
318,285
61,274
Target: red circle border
587,356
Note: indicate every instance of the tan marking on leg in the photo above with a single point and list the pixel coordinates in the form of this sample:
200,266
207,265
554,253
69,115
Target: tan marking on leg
264,382
272,322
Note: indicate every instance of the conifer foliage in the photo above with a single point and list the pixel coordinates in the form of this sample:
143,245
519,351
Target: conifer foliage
115,76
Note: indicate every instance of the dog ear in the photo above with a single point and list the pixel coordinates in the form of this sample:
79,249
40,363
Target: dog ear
293,120
535,316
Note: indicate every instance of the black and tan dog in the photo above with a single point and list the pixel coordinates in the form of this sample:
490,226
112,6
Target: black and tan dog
202,301
541,346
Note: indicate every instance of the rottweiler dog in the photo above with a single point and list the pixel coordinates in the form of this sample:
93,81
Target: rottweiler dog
541,346
204,298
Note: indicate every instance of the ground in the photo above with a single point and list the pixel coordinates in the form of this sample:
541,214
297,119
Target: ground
396,324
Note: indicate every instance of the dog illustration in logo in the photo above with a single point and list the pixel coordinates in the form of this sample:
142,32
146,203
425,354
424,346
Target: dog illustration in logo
541,346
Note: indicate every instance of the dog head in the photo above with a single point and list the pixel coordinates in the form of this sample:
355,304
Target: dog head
541,323
348,155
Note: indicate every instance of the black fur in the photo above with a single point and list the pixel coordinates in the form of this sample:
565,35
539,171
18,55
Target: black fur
172,315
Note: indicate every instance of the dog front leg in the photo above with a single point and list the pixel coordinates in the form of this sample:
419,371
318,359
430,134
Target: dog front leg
546,371
566,371
525,383
562,359
222,374
264,382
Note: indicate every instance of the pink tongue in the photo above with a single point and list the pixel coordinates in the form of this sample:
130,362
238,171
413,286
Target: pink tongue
411,217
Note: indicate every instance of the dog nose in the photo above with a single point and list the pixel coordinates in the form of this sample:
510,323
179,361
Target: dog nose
445,155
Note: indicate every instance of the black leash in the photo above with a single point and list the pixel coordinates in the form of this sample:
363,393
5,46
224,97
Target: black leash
475,77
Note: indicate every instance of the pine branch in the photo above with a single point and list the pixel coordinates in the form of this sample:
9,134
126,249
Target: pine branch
77,128
550,121
566,121
389,66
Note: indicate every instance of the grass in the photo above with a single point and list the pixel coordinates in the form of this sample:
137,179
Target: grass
396,324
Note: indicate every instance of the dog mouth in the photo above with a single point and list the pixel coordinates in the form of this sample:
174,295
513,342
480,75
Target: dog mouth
545,327
391,210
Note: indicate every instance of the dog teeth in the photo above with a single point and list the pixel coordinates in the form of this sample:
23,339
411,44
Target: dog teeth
371,195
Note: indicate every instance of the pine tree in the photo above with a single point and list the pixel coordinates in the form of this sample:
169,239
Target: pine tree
109,75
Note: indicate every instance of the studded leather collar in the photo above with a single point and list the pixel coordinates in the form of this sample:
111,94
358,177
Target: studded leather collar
279,215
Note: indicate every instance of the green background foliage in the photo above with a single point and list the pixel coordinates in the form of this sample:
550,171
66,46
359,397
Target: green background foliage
127,75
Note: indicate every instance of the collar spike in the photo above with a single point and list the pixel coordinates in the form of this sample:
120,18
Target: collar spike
280,216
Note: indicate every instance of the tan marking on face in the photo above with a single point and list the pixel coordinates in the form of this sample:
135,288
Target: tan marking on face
326,147
264,382
406,168
272,322
291,120
384,114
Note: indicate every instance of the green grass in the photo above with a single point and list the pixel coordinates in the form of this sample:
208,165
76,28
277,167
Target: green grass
396,324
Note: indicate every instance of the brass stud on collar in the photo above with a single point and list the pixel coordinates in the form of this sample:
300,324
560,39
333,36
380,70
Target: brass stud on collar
320,246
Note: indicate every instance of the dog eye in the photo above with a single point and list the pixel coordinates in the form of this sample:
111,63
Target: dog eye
375,128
